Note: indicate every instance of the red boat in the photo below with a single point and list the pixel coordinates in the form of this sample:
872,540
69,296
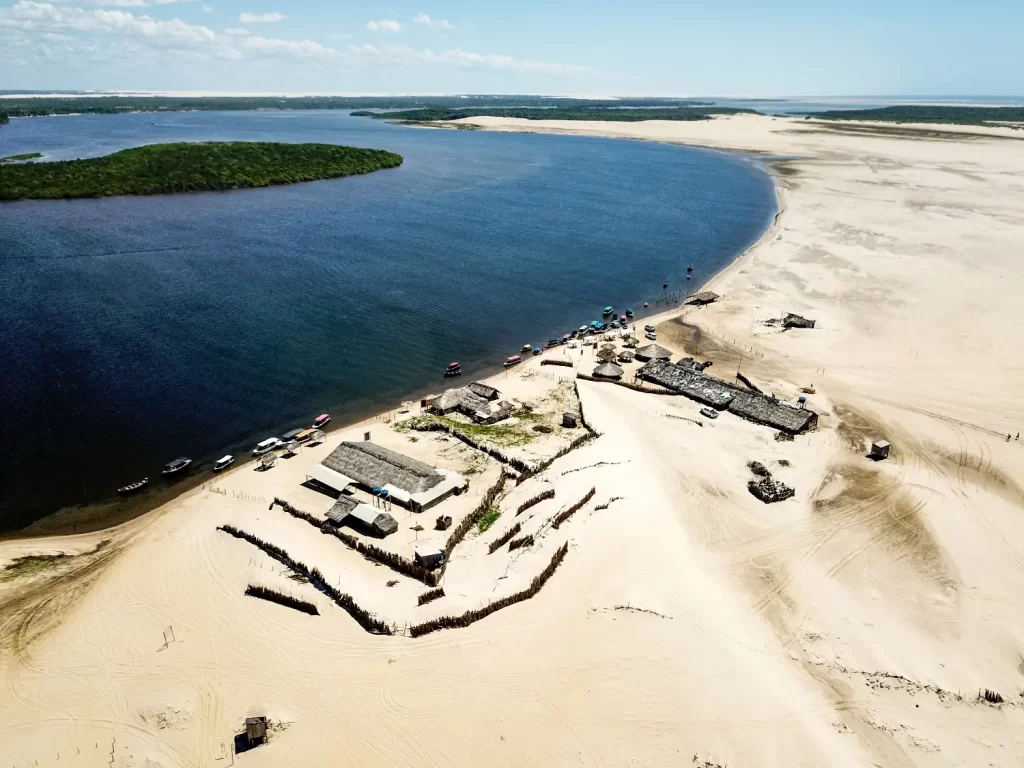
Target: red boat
321,420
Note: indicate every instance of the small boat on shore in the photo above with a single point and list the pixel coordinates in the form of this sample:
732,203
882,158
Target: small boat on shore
629,312
321,421
608,310
177,465
138,485
266,446
526,348
223,463
514,360
453,369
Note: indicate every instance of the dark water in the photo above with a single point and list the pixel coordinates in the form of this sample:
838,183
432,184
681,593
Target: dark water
138,329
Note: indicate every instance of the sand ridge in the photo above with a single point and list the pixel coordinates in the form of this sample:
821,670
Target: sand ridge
689,623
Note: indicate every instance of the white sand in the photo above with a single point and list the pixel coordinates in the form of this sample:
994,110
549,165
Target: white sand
688,619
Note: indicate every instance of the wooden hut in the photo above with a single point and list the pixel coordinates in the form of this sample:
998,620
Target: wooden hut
704,297
256,730
879,450
486,391
428,557
569,420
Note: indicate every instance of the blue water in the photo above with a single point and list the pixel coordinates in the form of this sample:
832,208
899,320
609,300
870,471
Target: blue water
139,329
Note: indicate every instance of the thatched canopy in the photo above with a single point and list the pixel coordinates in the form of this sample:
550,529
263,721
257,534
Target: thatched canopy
608,371
653,352
704,297
607,345
626,356
631,341
371,465
606,355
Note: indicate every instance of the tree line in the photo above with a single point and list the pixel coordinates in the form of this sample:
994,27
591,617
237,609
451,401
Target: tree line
589,112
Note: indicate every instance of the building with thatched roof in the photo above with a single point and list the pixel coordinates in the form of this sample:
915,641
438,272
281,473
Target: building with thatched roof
408,482
626,356
722,395
704,297
470,402
608,371
486,391
363,517
608,345
606,355
653,352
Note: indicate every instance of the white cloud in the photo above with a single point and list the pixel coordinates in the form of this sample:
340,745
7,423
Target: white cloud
236,32
137,3
383,25
207,8
260,18
304,48
33,16
426,21
496,61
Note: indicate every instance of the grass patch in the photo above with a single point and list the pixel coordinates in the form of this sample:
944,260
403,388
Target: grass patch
18,158
496,434
490,517
30,565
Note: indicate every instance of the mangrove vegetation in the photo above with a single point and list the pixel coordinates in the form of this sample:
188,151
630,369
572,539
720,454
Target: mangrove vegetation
175,168
928,114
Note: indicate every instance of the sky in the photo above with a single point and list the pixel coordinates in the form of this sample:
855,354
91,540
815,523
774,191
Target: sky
742,48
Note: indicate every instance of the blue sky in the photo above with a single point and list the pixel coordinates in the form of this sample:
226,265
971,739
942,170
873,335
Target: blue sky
729,47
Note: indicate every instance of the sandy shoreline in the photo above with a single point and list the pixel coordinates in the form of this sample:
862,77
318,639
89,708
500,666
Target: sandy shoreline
852,625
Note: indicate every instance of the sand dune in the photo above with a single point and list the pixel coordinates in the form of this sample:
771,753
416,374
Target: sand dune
689,623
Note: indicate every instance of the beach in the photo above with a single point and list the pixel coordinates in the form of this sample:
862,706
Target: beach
689,623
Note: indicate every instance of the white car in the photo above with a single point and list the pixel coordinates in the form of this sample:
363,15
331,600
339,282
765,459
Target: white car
267,446
710,413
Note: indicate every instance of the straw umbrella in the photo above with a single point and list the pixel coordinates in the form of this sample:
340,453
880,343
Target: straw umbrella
608,371
607,345
606,355
653,352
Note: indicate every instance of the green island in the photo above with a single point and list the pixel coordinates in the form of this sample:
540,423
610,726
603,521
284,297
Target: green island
4,118
589,112
18,158
173,168
927,114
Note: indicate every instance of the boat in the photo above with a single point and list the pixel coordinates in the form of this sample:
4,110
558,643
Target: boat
453,369
629,312
514,360
223,462
645,305
526,348
133,487
566,337
536,350
583,329
665,284
320,421
304,435
608,310
266,446
690,268
177,465
552,343
289,436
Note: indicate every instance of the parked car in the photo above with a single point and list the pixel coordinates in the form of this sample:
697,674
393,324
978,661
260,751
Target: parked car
651,336
711,413
649,328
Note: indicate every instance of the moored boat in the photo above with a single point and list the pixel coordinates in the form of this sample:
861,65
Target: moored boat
177,465
223,462
608,310
514,360
133,487
526,347
265,446
453,369
629,312
320,421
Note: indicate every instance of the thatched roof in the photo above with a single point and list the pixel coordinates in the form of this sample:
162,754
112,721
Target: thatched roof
608,371
606,355
704,297
365,517
371,465
341,509
626,356
653,352
608,345
462,399
486,391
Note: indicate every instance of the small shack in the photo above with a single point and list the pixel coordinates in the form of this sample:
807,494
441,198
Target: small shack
704,297
569,420
608,371
796,321
606,355
486,391
625,356
256,730
879,450
363,517
429,557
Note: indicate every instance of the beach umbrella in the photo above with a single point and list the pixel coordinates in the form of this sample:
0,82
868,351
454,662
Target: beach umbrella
606,355
626,356
607,345
608,371
653,352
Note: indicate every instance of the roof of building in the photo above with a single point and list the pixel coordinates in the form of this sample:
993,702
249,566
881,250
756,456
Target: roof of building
653,352
704,297
485,391
371,465
608,371
461,399
606,355
341,509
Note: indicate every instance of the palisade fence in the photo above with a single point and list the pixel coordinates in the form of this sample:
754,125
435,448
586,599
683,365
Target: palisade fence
525,541
502,540
273,596
430,595
435,426
471,617
361,616
548,494
561,517
628,385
